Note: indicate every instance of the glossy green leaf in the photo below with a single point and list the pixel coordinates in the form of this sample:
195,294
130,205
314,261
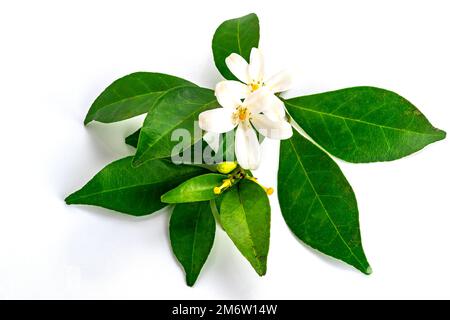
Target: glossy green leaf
318,203
192,230
200,188
239,36
132,139
363,124
131,96
135,191
245,216
201,146
177,109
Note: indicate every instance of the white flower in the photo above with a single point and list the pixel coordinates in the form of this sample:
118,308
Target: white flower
253,78
244,114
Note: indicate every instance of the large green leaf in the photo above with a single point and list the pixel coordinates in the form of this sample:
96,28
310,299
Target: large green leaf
363,124
318,203
239,36
135,191
176,109
200,188
192,230
131,96
245,216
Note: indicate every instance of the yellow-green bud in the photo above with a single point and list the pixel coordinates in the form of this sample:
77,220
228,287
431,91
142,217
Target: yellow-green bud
226,167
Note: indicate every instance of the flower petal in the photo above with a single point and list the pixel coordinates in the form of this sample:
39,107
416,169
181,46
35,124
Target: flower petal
216,120
235,88
238,66
247,148
278,130
281,81
256,66
265,101
229,95
212,139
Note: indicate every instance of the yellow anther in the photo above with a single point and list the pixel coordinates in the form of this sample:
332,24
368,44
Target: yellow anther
269,190
254,86
242,113
226,184
226,167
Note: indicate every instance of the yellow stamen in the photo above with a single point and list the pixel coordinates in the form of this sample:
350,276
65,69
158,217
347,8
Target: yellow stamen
226,184
269,190
255,85
242,113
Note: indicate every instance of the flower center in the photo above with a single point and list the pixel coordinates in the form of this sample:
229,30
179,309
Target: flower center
255,85
241,114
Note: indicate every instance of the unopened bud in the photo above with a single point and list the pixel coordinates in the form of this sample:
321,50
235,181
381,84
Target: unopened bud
226,167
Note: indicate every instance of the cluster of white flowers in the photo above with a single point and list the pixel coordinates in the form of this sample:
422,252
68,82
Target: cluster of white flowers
249,104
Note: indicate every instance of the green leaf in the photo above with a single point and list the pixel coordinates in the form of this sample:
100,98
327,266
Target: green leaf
200,188
239,36
135,191
192,230
132,139
318,203
200,146
363,124
245,216
177,109
131,96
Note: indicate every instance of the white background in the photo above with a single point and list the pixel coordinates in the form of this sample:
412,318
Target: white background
57,56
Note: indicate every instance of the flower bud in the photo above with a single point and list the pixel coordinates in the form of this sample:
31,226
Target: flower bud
226,167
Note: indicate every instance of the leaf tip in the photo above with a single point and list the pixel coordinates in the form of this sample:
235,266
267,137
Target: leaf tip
87,120
261,270
368,270
70,199
165,198
261,273
190,280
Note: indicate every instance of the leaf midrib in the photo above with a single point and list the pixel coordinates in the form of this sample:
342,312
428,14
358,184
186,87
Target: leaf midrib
195,237
323,206
125,187
241,205
109,105
438,132
239,37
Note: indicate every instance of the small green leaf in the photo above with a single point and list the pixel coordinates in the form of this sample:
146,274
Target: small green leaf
132,139
177,109
363,124
131,96
239,36
200,188
318,203
192,230
135,191
245,216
